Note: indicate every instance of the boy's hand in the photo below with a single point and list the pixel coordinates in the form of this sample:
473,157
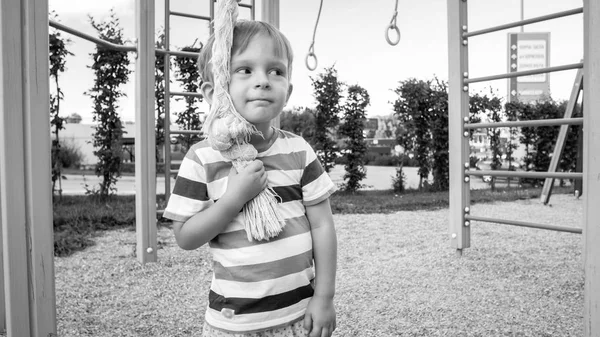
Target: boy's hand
247,183
319,318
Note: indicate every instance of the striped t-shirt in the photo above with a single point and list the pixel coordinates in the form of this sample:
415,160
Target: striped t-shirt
261,284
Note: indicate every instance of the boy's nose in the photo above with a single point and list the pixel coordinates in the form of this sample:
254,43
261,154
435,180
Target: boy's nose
262,81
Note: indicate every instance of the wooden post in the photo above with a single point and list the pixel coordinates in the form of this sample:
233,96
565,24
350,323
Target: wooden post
25,190
591,166
270,13
458,110
145,162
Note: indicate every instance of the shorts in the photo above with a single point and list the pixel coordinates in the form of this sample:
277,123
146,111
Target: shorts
295,329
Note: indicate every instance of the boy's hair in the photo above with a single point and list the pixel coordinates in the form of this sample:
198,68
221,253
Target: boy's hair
243,32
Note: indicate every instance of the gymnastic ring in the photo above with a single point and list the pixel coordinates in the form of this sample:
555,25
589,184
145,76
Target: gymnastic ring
308,56
387,34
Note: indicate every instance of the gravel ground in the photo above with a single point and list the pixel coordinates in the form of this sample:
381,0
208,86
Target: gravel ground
397,276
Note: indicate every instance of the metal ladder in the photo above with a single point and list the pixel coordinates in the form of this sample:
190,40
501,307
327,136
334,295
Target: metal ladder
168,171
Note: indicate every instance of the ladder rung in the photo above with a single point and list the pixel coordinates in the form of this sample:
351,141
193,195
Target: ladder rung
192,16
190,94
245,5
531,123
525,224
185,132
174,171
177,53
526,174
176,162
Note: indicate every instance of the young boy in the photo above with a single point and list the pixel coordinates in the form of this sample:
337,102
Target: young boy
260,288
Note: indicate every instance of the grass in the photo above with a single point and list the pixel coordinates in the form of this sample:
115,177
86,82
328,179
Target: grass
77,219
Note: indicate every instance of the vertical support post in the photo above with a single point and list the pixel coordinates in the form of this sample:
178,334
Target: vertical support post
458,111
212,16
145,163
591,166
2,298
167,119
25,191
270,14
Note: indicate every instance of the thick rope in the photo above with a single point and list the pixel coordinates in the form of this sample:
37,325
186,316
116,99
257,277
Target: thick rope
228,132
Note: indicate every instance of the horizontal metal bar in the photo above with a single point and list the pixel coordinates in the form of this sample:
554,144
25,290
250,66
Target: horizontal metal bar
525,174
99,42
187,94
160,211
525,224
178,53
176,162
174,171
186,132
524,22
537,122
245,5
192,16
524,73
113,46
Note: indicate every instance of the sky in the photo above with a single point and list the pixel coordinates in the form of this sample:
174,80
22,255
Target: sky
350,36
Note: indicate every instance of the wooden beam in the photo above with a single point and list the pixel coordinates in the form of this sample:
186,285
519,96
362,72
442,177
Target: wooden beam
458,110
591,166
145,162
25,191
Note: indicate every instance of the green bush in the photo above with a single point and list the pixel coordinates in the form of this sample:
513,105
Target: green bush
70,155
399,180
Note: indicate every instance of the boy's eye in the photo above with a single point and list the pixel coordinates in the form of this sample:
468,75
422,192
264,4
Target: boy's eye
277,72
243,71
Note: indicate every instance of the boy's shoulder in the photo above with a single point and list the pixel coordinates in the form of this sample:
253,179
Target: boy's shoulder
290,135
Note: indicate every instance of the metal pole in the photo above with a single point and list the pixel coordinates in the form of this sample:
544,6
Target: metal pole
522,14
145,138
458,109
167,119
270,14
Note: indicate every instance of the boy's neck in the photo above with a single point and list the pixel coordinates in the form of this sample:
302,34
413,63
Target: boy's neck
264,141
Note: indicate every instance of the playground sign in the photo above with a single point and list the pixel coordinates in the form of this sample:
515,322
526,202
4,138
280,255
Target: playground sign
528,51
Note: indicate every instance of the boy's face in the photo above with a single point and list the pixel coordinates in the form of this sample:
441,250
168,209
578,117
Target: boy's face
259,86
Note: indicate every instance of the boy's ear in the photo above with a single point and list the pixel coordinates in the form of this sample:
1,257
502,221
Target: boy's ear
289,93
207,91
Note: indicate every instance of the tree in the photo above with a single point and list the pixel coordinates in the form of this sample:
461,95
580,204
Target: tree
352,128
413,108
189,119
111,72
73,118
328,92
439,136
300,121
58,58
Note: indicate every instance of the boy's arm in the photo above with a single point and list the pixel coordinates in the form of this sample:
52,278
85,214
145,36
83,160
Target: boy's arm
320,314
205,225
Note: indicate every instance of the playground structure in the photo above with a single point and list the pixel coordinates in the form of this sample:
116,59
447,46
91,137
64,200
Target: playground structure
27,282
